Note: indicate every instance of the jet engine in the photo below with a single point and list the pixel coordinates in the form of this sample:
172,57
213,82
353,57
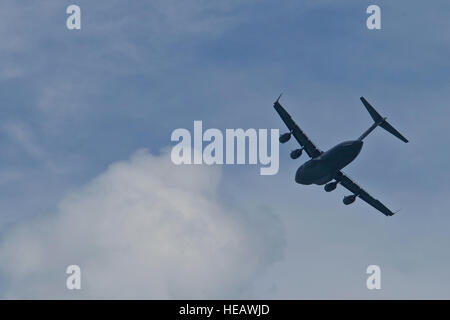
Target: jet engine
349,199
296,153
285,137
330,186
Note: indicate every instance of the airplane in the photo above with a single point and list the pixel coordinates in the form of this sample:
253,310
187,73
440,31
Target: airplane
325,168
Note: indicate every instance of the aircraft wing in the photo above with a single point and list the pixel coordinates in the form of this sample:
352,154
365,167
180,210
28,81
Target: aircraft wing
299,135
350,185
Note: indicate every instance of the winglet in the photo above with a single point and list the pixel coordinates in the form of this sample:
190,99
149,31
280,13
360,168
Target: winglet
279,97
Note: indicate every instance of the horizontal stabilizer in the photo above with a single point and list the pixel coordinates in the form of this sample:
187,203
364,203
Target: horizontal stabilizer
380,121
387,126
373,113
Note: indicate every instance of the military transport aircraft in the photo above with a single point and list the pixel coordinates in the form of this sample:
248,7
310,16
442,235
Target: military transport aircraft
323,167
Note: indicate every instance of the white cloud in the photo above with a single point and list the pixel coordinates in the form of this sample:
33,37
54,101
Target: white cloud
145,228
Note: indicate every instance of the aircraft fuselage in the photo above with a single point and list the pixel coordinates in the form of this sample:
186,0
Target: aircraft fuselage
321,170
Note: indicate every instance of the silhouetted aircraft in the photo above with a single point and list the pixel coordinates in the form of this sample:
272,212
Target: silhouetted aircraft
324,167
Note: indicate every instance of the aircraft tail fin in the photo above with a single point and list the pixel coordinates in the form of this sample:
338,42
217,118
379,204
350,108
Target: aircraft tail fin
380,121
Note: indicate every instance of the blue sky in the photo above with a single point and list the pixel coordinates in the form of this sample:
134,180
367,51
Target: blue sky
75,103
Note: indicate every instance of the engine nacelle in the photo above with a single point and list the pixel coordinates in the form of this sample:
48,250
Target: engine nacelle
285,137
349,199
296,153
330,186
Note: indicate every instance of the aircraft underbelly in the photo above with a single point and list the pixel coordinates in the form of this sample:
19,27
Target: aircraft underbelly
318,173
322,169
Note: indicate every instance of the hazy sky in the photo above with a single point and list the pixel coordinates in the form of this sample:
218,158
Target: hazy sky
86,177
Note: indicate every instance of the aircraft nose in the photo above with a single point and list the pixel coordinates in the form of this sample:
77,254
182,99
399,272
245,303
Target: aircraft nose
299,175
302,177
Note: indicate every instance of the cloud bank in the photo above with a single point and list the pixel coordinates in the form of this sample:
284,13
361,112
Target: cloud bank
144,228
